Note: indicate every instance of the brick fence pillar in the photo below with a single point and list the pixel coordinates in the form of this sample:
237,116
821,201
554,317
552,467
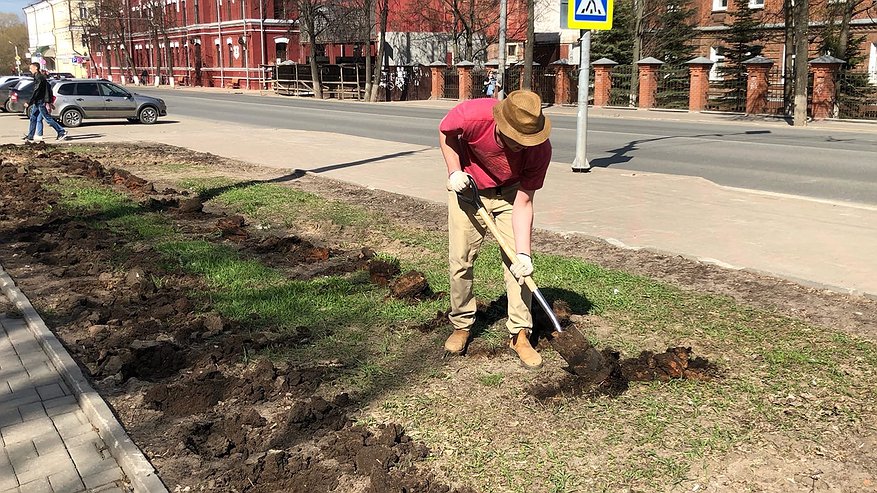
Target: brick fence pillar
562,82
757,69
464,69
825,69
438,80
648,81
602,81
698,89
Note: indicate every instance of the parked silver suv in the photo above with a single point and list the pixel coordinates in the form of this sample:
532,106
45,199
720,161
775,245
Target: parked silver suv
97,98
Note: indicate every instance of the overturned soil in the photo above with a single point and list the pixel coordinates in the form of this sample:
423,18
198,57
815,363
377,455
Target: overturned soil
177,372
171,366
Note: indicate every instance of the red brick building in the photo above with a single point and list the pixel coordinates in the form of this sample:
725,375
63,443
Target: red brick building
714,15
223,42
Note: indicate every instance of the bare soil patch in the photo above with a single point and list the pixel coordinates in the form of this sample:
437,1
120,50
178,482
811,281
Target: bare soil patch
170,366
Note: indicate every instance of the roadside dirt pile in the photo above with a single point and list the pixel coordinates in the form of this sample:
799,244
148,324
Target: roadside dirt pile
171,366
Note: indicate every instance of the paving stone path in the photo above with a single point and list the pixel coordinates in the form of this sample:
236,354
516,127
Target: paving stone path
48,444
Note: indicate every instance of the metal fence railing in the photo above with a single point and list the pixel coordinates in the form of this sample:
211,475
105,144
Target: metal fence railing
857,95
452,84
619,94
775,92
673,87
544,83
728,94
406,83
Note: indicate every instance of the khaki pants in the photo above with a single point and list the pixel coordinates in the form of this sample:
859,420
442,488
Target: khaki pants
466,233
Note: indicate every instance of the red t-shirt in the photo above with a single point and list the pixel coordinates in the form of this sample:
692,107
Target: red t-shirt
488,163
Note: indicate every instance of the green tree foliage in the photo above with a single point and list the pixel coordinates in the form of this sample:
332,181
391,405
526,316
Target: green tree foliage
742,41
854,91
13,32
616,43
674,45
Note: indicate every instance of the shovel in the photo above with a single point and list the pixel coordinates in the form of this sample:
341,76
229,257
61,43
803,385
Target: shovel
584,360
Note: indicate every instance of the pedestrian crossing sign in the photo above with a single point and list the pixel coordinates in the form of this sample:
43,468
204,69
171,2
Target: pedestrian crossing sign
590,14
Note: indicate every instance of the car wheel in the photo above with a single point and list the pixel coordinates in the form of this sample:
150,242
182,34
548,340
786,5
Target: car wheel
148,115
71,118
7,106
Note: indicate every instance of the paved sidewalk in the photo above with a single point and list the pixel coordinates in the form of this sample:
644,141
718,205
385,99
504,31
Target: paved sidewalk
48,443
56,432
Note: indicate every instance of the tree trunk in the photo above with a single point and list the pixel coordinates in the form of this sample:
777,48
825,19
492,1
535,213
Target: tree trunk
156,56
843,38
527,83
801,67
382,39
638,12
367,47
789,62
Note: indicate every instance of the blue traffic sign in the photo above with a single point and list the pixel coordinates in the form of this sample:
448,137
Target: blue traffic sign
590,14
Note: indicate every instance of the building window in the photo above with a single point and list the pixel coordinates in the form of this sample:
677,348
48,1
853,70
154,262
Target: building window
511,50
716,56
281,52
230,55
83,11
197,13
227,9
218,55
721,5
756,4
280,9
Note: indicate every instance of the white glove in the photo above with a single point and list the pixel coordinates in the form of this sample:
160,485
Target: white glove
458,181
522,267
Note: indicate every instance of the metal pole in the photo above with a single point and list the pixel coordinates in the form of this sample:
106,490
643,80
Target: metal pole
581,164
500,77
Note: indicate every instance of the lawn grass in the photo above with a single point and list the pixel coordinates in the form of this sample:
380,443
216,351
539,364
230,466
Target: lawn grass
779,375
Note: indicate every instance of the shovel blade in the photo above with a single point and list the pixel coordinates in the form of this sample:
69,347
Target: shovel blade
584,360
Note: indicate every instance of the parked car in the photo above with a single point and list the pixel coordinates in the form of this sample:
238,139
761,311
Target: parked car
6,78
78,99
60,75
17,97
6,88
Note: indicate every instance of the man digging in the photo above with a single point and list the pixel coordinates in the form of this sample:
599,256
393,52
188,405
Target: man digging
504,147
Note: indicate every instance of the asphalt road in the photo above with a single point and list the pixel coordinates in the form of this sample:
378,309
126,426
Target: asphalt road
821,163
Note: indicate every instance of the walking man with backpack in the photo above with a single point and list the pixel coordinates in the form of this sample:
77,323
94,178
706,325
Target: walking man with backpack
36,107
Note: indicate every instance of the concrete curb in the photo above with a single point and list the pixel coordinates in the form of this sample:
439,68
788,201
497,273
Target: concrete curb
134,464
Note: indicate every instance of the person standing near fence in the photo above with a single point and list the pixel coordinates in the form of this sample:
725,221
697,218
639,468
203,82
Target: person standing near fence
490,83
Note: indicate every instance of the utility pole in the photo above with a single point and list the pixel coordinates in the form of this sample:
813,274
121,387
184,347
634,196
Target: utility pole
500,76
581,164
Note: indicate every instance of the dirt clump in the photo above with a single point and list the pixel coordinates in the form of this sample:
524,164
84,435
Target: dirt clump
674,363
382,272
412,285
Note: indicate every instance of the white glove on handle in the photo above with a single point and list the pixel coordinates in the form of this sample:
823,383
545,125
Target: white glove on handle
458,181
522,267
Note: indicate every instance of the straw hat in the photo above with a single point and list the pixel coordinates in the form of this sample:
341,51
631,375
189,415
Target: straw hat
519,117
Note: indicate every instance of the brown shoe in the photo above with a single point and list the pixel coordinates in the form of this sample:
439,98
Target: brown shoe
457,341
521,345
